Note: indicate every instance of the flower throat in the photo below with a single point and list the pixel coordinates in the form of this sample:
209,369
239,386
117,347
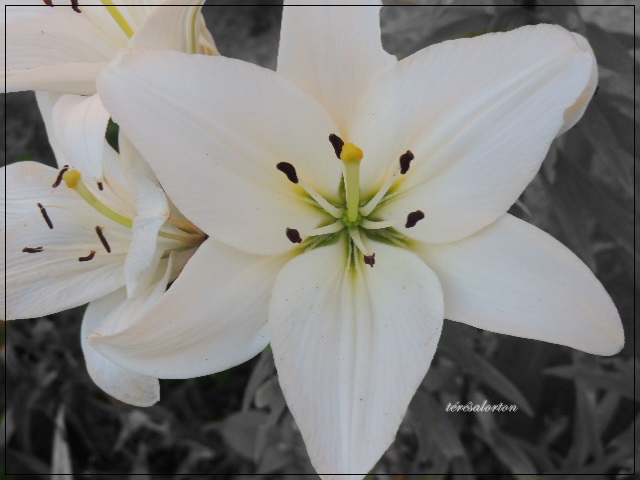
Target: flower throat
352,217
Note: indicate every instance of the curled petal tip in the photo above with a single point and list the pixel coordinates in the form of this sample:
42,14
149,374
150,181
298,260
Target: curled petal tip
94,339
613,344
574,113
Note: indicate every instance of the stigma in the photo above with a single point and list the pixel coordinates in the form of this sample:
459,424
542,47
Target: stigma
351,153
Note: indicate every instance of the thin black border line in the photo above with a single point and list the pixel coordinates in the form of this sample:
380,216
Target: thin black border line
5,326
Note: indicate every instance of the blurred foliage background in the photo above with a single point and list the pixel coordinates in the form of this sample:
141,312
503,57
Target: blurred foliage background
576,411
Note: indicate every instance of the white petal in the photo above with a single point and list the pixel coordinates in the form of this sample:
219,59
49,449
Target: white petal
479,115
30,183
333,52
116,183
117,176
109,315
215,146
172,27
57,49
575,111
149,198
129,387
213,317
55,279
352,348
143,255
76,78
18,10
515,279
79,126
46,102
152,212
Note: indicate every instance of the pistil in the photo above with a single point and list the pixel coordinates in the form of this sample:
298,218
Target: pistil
351,156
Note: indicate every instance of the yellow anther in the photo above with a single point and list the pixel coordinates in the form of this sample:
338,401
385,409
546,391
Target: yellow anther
71,178
351,153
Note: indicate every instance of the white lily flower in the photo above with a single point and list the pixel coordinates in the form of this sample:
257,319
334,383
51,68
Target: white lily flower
117,241
55,48
116,244
350,264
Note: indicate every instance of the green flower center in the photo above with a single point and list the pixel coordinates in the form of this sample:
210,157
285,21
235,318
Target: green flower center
353,218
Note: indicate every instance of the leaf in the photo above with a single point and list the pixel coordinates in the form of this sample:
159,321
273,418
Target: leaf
566,14
511,453
604,380
504,446
619,122
462,469
575,223
554,431
471,26
240,431
627,40
411,28
585,433
610,53
262,370
478,367
60,456
269,395
23,462
595,127
137,421
610,211
140,468
539,455
511,17
432,420
273,457
441,377
606,409
111,135
625,442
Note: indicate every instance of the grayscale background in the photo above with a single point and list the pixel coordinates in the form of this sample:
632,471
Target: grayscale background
576,411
